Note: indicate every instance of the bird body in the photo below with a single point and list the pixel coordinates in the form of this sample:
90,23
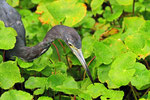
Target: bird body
11,18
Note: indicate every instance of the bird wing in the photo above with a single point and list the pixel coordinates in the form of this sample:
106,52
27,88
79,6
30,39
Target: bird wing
11,18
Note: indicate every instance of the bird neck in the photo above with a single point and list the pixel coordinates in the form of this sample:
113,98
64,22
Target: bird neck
2,1
57,32
30,53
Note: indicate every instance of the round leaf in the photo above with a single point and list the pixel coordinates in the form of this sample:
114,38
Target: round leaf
87,46
103,53
9,74
16,95
141,78
122,69
7,37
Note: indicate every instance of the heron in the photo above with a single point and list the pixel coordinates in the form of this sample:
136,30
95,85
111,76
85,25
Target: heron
70,36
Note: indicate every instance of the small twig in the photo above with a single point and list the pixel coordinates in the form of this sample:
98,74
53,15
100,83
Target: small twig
147,65
59,96
62,45
35,97
57,51
91,60
74,97
146,91
88,66
48,93
50,61
35,74
64,52
133,7
132,89
4,55
128,95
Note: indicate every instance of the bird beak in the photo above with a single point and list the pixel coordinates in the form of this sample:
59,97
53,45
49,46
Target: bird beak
79,55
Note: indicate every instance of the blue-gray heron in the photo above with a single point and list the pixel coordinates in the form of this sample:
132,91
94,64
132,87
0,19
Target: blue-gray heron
11,18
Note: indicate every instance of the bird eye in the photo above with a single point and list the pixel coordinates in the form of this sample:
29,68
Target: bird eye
70,44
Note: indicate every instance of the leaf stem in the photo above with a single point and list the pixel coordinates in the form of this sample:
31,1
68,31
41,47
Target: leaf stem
146,91
132,89
147,65
88,65
64,52
74,97
57,51
4,55
62,45
59,95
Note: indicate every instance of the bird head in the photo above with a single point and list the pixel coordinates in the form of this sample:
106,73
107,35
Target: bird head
73,40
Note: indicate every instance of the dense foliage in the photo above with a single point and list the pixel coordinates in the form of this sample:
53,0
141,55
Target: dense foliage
115,43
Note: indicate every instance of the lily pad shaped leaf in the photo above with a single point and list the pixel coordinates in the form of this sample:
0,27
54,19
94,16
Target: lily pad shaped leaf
16,95
9,74
122,69
61,11
7,37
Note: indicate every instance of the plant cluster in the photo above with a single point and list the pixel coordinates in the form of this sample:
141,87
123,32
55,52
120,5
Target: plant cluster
115,43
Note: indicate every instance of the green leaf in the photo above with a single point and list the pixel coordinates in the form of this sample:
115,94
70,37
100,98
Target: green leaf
103,77
141,78
144,30
45,98
26,4
85,96
99,89
103,53
35,1
87,46
46,17
122,69
132,25
16,95
114,14
116,46
96,6
13,3
9,74
61,11
1,58
88,23
38,83
135,43
39,64
7,37
148,95
125,2
24,64
97,34
96,90
43,61
113,95
55,80
60,82
103,73
47,71
32,25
